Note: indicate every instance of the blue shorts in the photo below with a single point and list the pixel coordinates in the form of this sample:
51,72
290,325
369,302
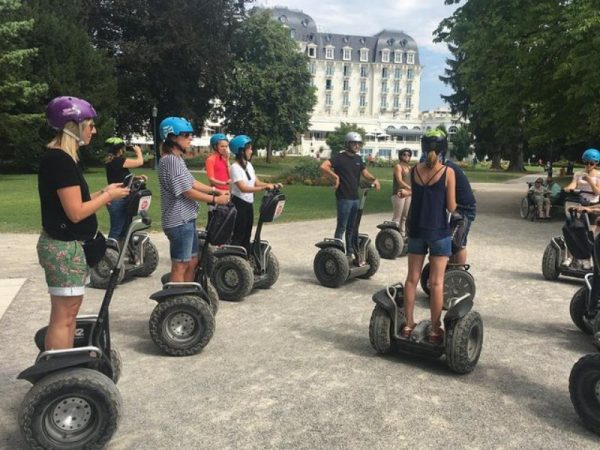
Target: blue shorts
420,246
183,241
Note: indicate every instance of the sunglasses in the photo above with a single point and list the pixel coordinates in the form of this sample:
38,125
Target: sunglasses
589,163
186,135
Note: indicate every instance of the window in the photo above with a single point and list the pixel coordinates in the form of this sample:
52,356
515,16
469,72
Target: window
384,86
408,104
385,153
385,56
409,89
396,87
364,71
346,86
365,152
347,70
345,100
396,103
328,85
312,52
347,54
292,33
410,74
363,85
364,54
362,101
383,102
312,68
397,73
410,58
329,53
329,69
397,56
384,72
328,99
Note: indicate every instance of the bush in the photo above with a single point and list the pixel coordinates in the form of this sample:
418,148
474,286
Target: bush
307,172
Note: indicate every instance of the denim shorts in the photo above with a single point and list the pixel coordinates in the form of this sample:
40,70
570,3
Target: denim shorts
420,246
64,265
183,241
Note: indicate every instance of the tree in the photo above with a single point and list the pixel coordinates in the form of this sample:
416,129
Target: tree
269,95
335,140
19,96
461,143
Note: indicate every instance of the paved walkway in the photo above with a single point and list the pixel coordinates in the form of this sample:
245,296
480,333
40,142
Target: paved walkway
292,367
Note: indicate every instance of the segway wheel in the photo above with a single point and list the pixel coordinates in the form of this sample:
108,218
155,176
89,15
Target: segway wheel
372,261
380,330
458,282
272,273
524,208
464,340
182,325
100,273
550,263
165,278
150,260
578,309
233,277
389,243
425,279
584,388
331,267
117,364
74,408
213,297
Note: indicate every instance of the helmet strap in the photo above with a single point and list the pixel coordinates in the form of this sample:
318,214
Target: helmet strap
74,136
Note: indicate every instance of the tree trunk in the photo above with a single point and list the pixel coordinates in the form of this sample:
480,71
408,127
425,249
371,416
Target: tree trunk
516,158
269,151
496,157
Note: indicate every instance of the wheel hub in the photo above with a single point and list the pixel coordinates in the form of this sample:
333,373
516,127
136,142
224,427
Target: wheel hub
597,391
71,414
473,343
330,267
181,325
456,287
231,278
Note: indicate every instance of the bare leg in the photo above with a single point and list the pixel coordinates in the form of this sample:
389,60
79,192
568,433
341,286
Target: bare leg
460,257
415,265
61,329
178,270
190,271
437,269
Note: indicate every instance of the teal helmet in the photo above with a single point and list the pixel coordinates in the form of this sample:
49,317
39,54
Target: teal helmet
215,138
238,143
434,140
591,155
174,125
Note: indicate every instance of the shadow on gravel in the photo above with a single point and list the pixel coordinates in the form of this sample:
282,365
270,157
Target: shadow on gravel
537,276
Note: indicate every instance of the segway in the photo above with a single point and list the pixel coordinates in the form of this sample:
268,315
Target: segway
331,265
389,242
584,388
141,257
458,281
74,401
183,321
236,273
463,330
577,240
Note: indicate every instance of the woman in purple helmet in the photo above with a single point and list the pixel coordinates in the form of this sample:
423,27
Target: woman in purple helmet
68,214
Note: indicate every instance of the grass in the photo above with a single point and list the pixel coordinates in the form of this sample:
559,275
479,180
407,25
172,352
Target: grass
19,199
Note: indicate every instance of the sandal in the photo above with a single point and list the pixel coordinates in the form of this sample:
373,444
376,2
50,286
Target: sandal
407,330
436,337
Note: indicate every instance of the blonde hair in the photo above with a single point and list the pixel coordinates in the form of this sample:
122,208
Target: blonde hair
66,142
432,158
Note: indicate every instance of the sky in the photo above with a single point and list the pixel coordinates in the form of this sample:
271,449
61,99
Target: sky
417,18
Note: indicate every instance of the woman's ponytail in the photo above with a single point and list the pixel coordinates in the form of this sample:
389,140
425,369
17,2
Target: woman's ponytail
432,158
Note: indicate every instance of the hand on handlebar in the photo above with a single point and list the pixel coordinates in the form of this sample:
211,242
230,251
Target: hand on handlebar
222,198
117,191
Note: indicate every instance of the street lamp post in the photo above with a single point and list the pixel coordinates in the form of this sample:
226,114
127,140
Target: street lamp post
155,136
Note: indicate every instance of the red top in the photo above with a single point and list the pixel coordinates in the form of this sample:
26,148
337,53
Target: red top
217,167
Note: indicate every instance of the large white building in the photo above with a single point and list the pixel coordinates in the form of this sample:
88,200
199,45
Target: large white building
373,81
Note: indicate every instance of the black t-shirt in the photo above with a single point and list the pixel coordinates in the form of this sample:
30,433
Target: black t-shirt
348,168
57,171
115,172
464,193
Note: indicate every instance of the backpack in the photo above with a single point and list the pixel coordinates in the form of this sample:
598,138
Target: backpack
220,226
459,225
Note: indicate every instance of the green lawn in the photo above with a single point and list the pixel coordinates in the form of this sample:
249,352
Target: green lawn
19,200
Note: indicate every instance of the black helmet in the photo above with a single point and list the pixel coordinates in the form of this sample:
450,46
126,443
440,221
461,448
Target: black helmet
434,140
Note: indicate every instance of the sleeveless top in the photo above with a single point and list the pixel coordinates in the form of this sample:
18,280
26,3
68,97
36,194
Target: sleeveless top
428,217
585,186
405,177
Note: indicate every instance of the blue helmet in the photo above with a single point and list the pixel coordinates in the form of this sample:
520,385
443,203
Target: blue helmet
591,154
215,138
238,143
174,125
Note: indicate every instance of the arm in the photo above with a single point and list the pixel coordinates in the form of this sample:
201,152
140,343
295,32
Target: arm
365,173
137,162
450,190
572,185
326,168
398,171
210,173
218,198
247,189
77,210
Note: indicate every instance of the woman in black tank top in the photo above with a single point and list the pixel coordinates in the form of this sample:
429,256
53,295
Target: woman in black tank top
433,196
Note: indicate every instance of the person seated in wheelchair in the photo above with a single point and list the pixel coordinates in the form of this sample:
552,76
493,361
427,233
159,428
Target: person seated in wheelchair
556,192
541,198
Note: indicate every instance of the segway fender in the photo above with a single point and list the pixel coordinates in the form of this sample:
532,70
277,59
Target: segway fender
165,294
47,366
390,298
329,242
230,250
460,309
387,225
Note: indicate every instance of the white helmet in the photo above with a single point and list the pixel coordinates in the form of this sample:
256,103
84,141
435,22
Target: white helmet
352,136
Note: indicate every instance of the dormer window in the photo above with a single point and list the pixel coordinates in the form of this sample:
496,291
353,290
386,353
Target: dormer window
347,54
364,54
410,58
329,52
385,56
312,51
397,56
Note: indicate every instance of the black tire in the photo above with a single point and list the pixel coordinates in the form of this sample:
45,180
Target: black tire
100,273
331,267
182,325
166,278
272,273
425,279
233,277
380,330
550,263
464,340
584,388
578,310
373,262
73,408
150,260
524,208
458,282
213,297
117,364
389,243
404,250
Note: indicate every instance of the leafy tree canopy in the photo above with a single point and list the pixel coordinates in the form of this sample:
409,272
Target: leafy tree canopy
335,140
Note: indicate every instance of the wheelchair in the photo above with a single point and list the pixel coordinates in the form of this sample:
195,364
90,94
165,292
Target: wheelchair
528,209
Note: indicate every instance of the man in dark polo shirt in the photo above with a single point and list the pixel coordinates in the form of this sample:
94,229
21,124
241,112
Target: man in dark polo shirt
345,169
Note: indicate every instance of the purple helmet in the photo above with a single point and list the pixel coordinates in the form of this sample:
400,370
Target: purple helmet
66,109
